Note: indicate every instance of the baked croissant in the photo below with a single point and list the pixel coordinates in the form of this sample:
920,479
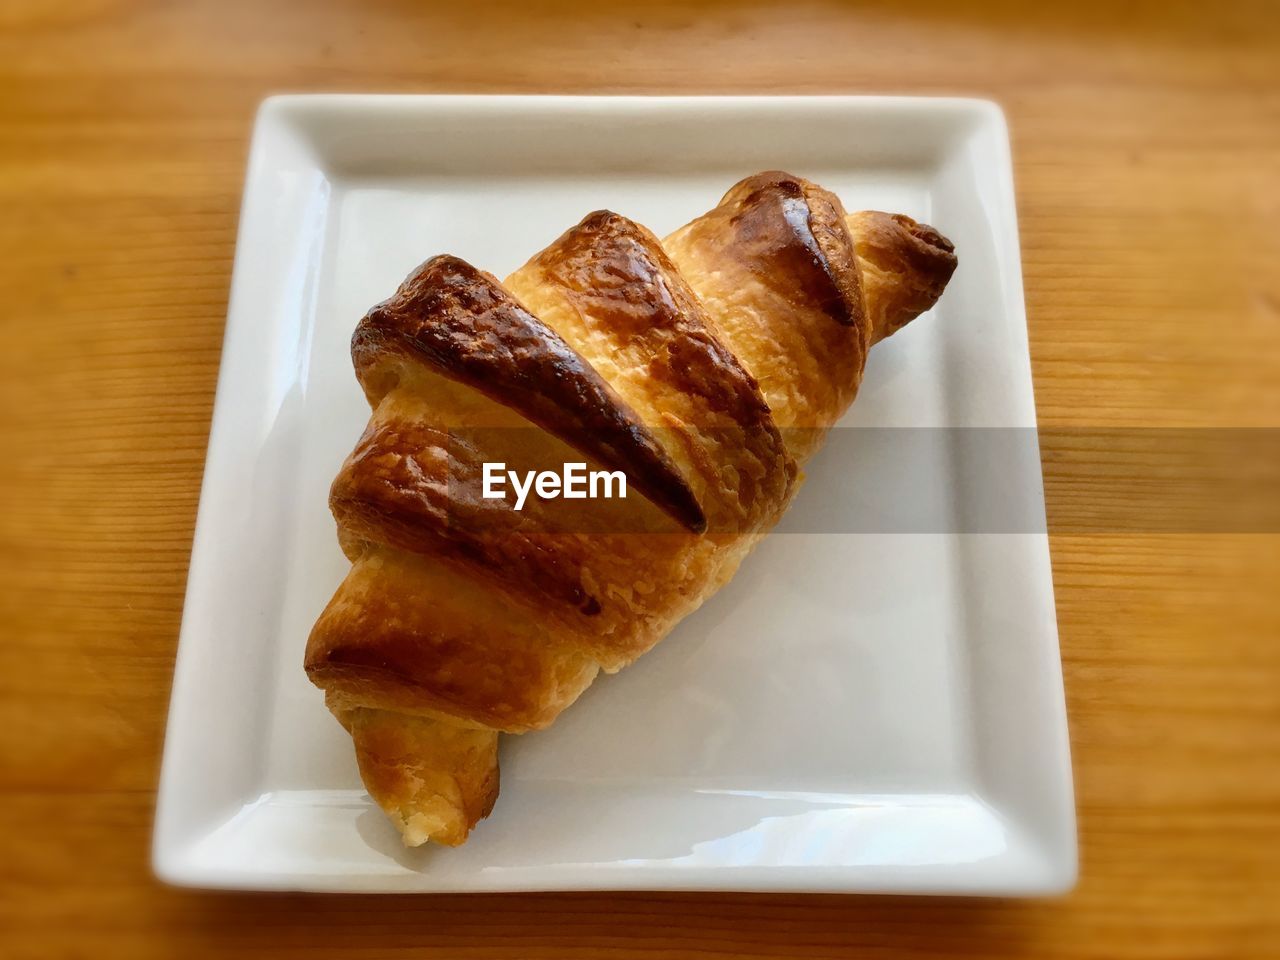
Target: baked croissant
705,367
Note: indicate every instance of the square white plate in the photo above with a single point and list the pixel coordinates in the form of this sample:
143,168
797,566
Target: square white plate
874,712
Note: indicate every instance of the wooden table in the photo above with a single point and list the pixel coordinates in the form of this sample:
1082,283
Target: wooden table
1147,144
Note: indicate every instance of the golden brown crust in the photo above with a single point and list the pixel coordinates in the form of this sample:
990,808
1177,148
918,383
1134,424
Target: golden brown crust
434,780
453,319
606,285
411,634
774,266
792,235
413,486
605,577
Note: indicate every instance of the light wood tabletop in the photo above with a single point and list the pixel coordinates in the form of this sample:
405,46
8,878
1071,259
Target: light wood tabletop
1146,140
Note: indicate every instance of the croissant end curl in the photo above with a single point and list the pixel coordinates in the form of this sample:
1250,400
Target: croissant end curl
707,367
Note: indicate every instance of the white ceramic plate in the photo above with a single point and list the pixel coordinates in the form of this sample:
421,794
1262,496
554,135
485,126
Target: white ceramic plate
874,712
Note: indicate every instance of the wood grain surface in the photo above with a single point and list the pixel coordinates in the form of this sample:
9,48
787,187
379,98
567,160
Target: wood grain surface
1147,148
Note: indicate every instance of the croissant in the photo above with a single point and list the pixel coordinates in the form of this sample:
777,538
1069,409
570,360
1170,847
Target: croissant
705,369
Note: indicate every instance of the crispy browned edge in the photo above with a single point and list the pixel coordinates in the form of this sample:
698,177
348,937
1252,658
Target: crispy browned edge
461,323
797,233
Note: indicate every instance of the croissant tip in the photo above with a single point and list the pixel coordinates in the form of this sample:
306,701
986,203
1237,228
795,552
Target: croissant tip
924,233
